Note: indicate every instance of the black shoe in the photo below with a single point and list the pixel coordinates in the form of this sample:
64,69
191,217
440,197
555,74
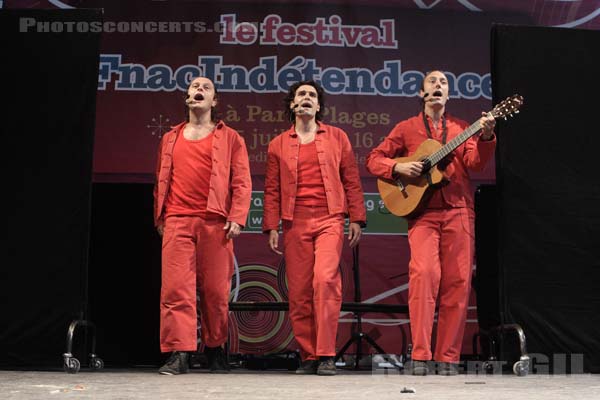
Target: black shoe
308,367
176,364
417,367
447,369
326,366
217,360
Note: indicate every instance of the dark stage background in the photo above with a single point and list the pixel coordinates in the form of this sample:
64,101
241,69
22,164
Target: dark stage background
548,190
49,101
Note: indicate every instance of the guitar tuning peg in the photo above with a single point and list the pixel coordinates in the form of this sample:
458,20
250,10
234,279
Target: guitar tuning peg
505,118
517,111
511,115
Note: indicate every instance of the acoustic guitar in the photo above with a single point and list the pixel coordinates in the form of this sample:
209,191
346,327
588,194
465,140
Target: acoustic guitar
406,196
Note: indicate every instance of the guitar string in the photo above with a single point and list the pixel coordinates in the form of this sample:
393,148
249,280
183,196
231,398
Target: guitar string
454,143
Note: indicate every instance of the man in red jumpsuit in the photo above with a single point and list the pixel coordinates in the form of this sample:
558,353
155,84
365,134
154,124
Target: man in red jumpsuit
201,201
441,238
312,183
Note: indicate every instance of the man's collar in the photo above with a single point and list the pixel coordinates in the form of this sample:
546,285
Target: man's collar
292,130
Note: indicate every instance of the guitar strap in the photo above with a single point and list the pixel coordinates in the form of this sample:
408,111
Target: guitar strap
444,128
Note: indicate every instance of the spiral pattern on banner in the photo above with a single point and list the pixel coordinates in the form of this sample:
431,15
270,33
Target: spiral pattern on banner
261,332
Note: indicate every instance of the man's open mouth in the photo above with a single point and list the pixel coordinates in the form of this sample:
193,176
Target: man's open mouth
198,97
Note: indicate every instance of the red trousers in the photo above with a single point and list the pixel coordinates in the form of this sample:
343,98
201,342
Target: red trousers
313,246
442,249
195,254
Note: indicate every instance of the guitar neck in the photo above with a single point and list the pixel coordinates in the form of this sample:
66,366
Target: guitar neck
454,143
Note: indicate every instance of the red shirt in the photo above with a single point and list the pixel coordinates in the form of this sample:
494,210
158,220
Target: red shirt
190,180
406,137
230,187
339,172
311,191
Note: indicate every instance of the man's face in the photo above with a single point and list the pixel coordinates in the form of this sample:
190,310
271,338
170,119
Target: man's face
201,94
306,101
435,89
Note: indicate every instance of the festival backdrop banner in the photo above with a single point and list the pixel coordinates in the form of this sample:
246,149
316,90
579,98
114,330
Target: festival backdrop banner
368,56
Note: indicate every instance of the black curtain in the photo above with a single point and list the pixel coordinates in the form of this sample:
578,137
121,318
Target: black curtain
548,189
49,82
125,268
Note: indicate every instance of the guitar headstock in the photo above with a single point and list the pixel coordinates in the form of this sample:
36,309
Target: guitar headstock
507,107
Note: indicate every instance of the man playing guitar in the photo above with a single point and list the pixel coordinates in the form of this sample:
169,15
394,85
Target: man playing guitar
441,236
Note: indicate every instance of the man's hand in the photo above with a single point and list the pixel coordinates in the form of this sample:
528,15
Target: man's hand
409,169
160,229
487,126
233,229
354,233
274,241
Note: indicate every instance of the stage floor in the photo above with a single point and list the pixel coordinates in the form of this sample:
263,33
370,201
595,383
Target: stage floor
251,385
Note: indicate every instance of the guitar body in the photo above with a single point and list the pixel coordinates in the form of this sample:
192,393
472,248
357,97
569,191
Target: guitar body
405,197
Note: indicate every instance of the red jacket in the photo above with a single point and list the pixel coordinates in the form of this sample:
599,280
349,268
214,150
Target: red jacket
338,169
406,137
230,188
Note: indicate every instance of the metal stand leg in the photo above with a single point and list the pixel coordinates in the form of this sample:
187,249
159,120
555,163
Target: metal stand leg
521,367
72,364
358,335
